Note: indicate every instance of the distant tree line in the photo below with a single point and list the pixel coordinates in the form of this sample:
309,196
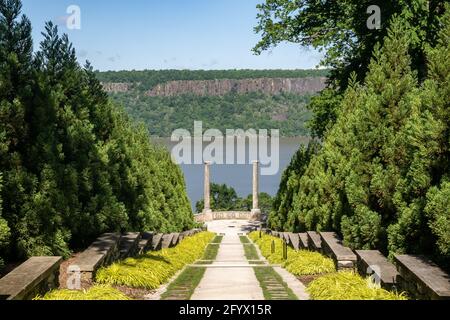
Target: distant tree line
72,165
162,115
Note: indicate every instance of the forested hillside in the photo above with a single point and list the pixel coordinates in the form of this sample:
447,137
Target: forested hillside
381,178
274,99
162,115
72,164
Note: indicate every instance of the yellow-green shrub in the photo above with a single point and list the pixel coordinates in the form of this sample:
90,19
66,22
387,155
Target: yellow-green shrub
152,269
299,262
98,292
346,285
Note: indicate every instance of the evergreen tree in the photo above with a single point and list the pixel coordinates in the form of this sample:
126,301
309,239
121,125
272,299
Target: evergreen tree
73,165
4,230
281,216
340,29
381,178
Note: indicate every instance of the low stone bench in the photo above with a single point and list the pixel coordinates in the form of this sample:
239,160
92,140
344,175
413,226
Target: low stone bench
294,240
314,242
175,239
129,244
157,242
36,276
373,263
167,240
184,235
343,257
285,237
102,252
422,278
303,244
145,244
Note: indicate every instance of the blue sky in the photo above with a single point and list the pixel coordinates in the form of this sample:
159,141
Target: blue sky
167,34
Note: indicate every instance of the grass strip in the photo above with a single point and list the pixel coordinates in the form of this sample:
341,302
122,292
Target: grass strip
217,239
244,239
211,251
272,285
183,287
250,252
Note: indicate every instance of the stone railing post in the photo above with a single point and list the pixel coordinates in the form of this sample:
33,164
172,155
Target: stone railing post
256,212
207,196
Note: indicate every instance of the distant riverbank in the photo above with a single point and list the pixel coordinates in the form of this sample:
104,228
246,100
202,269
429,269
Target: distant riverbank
237,176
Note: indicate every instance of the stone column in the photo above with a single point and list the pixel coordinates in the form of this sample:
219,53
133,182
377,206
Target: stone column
206,195
256,212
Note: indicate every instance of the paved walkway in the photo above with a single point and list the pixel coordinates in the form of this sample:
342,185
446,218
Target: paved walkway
229,279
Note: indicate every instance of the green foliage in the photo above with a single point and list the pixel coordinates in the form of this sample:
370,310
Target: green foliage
380,179
4,229
281,216
225,198
183,287
347,285
299,262
97,292
152,269
339,29
163,115
147,79
73,164
438,213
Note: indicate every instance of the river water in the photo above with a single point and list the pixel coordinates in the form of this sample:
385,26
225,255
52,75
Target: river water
237,176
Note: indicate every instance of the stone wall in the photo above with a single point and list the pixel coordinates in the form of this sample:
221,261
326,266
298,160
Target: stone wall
417,275
226,215
36,276
422,278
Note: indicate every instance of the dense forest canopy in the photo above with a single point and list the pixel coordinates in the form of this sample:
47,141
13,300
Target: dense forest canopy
72,164
163,115
381,177
147,79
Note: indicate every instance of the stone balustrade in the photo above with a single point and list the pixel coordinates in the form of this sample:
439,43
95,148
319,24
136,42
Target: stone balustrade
332,246
314,241
36,276
417,275
373,263
422,278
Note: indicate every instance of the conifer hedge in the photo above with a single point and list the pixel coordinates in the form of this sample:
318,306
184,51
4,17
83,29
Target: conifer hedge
72,164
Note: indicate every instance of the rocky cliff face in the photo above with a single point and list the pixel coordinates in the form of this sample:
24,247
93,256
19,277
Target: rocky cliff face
221,87
271,86
115,87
